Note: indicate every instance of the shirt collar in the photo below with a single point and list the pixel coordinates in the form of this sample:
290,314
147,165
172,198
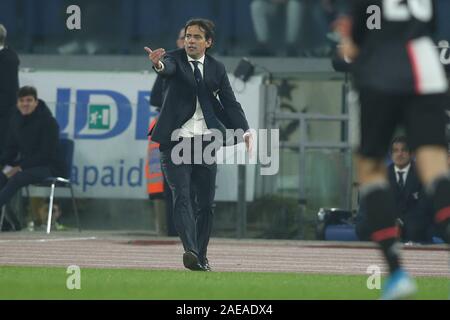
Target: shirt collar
2,47
405,170
201,60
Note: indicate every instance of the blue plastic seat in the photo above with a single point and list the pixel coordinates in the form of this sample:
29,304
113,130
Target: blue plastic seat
340,232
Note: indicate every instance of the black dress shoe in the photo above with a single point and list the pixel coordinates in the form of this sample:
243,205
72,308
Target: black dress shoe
191,262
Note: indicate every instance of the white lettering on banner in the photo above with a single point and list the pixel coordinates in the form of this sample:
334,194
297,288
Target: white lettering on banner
107,114
109,176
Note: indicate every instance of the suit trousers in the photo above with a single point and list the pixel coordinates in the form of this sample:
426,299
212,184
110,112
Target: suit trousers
8,187
194,228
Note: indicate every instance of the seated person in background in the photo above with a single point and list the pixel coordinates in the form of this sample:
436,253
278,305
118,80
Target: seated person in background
31,153
415,212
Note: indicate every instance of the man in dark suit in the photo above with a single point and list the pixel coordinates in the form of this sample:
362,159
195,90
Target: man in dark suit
191,112
9,85
413,207
414,210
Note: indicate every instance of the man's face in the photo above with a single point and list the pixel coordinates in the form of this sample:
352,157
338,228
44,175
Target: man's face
180,40
195,42
400,155
27,105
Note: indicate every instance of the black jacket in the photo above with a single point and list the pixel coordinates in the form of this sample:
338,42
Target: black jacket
33,141
409,199
9,81
179,99
156,96
415,209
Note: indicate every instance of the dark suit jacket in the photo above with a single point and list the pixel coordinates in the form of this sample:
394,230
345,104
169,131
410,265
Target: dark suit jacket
408,199
415,208
156,96
9,81
179,99
33,141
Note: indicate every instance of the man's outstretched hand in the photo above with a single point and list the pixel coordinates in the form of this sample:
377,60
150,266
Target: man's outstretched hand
155,56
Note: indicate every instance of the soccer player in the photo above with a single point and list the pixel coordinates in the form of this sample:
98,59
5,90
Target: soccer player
401,81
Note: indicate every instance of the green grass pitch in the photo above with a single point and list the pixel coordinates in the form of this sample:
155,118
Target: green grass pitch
50,283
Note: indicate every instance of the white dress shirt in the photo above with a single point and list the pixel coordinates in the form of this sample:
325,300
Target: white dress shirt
1,47
197,124
405,171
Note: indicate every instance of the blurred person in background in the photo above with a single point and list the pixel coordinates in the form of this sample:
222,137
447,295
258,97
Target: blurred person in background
9,85
99,28
319,38
262,11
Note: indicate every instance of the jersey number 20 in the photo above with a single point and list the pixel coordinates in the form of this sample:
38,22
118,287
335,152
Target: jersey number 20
401,10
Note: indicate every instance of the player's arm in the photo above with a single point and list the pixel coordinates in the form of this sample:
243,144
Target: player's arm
358,15
351,28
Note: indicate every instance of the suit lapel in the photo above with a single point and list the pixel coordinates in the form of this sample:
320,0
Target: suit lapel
187,69
208,72
410,180
392,177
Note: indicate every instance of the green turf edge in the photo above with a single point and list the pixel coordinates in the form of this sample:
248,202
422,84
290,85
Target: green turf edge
51,283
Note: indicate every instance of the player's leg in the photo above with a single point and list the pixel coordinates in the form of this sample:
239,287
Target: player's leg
426,128
379,118
380,115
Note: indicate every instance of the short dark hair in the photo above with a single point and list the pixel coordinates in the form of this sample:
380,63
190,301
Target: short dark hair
26,91
400,139
207,26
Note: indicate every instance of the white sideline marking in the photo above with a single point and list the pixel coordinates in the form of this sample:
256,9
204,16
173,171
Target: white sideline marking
47,240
